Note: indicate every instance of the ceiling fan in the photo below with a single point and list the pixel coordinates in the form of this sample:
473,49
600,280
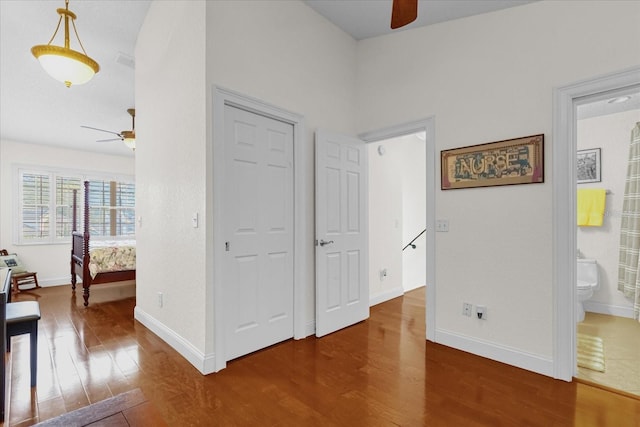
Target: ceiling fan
126,136
403,12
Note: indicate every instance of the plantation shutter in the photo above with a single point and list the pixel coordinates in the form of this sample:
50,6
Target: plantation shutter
35,206
111,208
64,204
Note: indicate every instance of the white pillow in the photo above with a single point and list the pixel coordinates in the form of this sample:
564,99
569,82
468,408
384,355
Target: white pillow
13,262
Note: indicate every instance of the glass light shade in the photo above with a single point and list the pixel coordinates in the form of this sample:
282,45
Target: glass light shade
65,65
130,142
129,139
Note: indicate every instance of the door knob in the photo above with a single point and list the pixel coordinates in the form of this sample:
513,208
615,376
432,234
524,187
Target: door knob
324,242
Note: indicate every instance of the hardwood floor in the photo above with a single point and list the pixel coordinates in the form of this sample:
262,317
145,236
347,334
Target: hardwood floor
380,372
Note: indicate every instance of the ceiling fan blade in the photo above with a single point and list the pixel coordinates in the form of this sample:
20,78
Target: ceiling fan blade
403,12
101,130
109,140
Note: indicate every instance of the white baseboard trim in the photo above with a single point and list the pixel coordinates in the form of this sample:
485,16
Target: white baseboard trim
611,310
205,363
66,281
497,352
385,296
414,287
54,281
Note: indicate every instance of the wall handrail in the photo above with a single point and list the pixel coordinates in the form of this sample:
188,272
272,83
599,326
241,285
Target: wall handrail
414,239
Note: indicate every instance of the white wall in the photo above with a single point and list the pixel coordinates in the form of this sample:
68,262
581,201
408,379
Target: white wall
50,261
610,133
488,78
385,221
171,175
283,53
414,206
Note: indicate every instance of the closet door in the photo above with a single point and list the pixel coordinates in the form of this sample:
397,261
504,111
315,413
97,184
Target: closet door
258,223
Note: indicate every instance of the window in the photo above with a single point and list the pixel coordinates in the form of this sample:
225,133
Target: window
112,208
64,204
45,208
35,207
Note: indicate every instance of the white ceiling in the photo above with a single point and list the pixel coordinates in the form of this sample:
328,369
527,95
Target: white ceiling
370,18
37,109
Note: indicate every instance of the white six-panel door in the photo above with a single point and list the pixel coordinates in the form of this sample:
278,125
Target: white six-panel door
342,291
258,224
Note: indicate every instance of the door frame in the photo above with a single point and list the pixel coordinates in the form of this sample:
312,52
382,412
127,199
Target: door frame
426,125
565,100
301,242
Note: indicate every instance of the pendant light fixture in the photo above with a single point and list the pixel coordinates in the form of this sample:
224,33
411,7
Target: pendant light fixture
63,63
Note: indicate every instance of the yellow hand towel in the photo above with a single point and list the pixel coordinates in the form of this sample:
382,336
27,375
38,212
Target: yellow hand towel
590,209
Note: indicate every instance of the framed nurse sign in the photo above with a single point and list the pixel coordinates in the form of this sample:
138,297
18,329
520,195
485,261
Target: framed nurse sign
588,165
508,162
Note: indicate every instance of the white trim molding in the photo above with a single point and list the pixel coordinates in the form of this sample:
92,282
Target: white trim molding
608,309
497,352
385,296
204,363
565,100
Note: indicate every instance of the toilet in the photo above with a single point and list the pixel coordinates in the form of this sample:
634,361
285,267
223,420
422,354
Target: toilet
587,278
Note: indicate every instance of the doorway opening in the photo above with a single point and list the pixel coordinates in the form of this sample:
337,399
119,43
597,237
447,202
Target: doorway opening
564,148
397,216
607,328
378,139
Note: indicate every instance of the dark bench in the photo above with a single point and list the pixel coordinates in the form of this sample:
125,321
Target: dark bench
17,318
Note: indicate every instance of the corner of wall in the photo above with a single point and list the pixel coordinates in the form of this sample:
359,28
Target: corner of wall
204,363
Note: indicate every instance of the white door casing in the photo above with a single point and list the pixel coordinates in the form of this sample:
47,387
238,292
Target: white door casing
565,99
342,289
426,125
258,218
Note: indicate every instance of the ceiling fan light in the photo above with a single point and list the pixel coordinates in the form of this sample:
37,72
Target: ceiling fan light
65,65
131,143
129,139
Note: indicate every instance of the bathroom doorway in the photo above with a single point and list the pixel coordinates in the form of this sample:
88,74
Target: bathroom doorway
607,340
564,244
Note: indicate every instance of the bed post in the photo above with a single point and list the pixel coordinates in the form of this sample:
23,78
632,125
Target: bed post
73,229
86,276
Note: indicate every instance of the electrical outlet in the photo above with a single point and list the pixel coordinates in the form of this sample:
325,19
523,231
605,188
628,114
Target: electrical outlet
160,300
481,312
383,273
467,309
442,225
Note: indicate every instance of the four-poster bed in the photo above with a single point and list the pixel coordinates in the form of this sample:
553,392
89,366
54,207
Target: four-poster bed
113,261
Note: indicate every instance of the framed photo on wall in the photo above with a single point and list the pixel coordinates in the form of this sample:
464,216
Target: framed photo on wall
588,163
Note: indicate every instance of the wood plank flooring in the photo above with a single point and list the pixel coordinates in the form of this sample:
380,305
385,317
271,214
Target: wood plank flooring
380,372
